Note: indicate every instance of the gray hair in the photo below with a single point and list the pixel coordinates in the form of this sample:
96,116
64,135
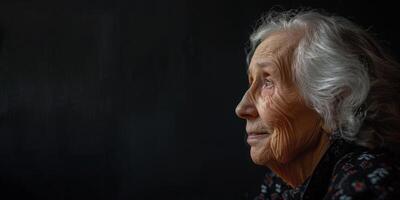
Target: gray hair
342,73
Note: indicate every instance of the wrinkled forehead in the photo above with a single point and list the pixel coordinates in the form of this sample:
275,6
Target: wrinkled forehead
275,53
272,44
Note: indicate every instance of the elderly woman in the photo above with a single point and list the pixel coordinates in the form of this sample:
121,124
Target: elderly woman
322,109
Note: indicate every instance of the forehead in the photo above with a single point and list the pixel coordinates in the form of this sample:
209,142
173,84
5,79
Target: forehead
271,45
272,51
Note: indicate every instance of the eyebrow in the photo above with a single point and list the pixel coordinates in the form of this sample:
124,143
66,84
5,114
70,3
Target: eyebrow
262,63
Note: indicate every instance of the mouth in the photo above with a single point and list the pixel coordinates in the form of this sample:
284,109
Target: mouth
254,138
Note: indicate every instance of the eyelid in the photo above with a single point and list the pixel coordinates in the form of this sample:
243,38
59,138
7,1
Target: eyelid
265,74
265,80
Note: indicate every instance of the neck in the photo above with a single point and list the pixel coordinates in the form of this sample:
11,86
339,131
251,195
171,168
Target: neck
296,171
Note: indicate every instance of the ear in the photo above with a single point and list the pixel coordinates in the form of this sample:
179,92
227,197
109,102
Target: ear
325,128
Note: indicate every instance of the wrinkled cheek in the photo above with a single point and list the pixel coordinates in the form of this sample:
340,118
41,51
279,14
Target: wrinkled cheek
283,139
267,112
276,115
283,146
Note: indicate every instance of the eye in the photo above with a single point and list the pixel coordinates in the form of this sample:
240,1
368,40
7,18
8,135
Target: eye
267,83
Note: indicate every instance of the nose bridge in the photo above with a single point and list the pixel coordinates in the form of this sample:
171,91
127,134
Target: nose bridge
246,108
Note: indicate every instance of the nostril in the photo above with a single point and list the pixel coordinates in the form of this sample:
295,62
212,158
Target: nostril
251,112
246,111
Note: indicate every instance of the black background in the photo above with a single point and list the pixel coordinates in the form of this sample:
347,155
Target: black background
135,99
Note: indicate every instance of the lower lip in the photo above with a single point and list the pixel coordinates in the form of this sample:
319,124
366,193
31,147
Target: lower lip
254,139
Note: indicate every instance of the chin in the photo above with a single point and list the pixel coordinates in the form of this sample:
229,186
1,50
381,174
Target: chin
259,161
260,156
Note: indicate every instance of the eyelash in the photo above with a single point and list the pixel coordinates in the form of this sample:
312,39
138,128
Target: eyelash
267,81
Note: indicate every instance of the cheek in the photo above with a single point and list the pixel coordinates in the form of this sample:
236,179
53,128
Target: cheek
275,107
280,111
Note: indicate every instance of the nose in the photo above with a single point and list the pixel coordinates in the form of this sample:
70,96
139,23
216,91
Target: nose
246,108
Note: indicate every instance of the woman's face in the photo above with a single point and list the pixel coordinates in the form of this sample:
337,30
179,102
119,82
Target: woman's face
279,124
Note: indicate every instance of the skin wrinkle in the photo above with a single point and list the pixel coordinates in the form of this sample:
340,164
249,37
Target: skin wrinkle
296,142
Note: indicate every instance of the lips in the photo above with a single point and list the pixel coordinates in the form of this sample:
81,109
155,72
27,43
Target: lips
254,138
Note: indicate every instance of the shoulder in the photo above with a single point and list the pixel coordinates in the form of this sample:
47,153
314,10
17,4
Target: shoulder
365,175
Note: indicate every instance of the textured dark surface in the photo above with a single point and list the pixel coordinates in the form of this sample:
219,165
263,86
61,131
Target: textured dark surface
134,99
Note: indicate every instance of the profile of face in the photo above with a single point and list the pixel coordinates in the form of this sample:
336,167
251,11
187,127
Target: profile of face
279,124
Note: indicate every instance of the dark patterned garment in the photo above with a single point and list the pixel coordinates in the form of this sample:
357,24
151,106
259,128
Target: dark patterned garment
346,172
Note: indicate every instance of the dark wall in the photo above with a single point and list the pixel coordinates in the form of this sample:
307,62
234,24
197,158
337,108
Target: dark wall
135,99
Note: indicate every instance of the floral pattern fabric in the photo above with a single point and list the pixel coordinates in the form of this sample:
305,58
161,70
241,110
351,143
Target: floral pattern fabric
346,172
